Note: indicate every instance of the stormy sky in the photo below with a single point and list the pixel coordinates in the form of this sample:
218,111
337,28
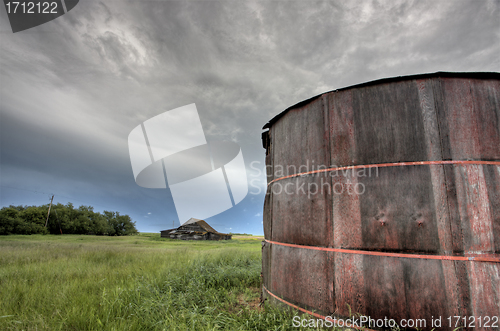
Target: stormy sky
72,90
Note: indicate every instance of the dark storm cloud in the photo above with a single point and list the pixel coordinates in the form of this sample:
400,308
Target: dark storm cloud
73,89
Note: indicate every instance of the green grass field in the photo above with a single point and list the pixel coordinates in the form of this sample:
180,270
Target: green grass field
142,282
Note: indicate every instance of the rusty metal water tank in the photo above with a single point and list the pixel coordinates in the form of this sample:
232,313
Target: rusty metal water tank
396,211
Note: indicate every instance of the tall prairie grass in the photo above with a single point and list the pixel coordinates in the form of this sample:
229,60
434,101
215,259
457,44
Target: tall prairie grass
141,282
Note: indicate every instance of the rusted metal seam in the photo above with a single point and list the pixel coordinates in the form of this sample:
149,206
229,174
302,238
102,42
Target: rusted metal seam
410,256
305,310
384,165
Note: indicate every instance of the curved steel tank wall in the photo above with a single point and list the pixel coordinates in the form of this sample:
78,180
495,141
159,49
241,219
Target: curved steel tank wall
443,210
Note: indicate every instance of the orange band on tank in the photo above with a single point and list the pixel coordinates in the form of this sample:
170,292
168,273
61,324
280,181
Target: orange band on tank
477,258
307,311
383,165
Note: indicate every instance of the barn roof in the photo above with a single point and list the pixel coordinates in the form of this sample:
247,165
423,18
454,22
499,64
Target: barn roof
201,223
205,226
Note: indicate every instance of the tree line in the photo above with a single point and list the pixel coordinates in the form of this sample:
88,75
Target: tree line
64,219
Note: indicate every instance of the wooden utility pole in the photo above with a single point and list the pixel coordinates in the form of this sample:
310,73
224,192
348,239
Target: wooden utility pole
48,214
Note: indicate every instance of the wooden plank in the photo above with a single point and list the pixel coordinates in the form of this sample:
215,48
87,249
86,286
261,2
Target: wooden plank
388,122
302,276
302,205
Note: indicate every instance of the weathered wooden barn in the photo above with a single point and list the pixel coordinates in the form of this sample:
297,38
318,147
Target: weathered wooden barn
195,229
